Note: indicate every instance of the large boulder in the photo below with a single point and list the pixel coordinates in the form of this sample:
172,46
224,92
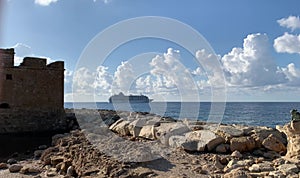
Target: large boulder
165,130
121,127
176,141
144,123
274,144
261,133
148,132
222,148
228,132
15,168
135,126
242,144
201,139
288,168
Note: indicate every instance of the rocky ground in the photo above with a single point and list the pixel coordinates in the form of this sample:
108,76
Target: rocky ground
124,144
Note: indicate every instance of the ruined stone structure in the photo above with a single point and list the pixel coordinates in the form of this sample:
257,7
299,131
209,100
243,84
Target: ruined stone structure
31,94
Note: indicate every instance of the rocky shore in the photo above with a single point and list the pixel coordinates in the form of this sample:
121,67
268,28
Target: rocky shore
129,144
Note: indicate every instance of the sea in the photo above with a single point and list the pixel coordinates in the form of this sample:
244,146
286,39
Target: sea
267,114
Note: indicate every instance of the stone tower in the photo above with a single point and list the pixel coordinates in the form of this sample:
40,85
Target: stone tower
31,94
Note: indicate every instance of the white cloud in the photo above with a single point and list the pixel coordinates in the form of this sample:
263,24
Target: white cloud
168,69
252,65
49,60
68,75
168,78
292,74
44,2
287,43
86,81
103,78
203,84
170,75
22,49
198,71
83,80
212,67
144,84
104,1
18,60
291,22
107,1
91,85
250,72
123,78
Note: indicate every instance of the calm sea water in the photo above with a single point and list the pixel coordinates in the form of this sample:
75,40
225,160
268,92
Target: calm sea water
249,113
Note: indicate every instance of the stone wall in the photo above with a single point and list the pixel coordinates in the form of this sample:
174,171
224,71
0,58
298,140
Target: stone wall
23,120
7,57
31,94
31,85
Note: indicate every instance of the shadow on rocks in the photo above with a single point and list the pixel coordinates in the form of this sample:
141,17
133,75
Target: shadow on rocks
158,164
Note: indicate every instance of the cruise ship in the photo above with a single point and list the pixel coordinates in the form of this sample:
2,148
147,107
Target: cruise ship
121,98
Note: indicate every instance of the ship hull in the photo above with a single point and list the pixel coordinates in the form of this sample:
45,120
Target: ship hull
129,99
119,101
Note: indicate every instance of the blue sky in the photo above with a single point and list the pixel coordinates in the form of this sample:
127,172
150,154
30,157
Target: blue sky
259,54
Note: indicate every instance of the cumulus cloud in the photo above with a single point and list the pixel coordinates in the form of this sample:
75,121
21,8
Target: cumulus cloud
86,81
170,71
171,76
44,2
144,84
287,43
291,22
68,75
247,70
83,80
101,82
90,85
103,78
252,65
212,67
292,74
21,50
198,71
123,78
168,78
162,68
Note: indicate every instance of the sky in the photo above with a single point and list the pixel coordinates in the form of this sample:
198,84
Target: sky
168,50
